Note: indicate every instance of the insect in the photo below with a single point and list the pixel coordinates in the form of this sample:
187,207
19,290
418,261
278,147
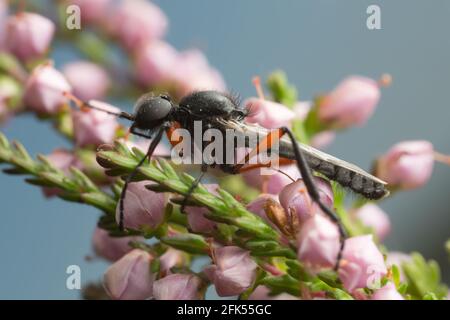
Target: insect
156,115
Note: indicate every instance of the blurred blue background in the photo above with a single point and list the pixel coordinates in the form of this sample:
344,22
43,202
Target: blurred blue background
318,43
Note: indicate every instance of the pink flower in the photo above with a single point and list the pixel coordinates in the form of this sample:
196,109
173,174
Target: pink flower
372,216
263,293
28,35
193,73
233,270
136,22
93,127
88,80
407,165
268,114
178,287
388,292
44,90
130,278
295,198
257,206
92,11
352,102
172,258
362,263
61,159
398,258
3,16
156,62
143,145
111,248
196,215
274,182
318,243
142,207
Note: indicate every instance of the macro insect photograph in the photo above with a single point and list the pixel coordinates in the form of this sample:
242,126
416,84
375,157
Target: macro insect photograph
206,150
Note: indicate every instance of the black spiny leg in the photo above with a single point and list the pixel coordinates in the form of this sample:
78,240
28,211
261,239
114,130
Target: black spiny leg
312,191
192,188
149,153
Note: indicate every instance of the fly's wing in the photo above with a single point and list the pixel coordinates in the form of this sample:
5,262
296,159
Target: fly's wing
345,173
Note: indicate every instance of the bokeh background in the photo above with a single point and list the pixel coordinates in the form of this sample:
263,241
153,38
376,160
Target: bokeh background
318,43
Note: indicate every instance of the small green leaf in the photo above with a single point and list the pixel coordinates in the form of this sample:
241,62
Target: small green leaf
191,243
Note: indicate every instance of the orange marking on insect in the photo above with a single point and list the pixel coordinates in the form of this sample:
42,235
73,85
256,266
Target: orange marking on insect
170,134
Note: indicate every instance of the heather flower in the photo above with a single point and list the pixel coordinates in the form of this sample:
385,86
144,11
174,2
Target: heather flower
274,182
258,205
93,127
263,293
362,263
351,103
372,216
130,278
295,198
137,22
268,114
144,208
44,90
398,258
196,215
92,11
387,292
318,243
233,270
172,258
178,287
407,165
88,80
28,35
111,248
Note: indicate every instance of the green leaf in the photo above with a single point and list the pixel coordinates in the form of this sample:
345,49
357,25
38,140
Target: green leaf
191,243
282,91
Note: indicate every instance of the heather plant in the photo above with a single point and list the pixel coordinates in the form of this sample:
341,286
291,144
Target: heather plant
263,236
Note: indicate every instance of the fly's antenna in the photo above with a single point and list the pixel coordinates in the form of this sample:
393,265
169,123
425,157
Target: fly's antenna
86,105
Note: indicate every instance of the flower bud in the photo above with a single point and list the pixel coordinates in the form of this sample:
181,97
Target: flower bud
268,114
388,292
295,198
318,243
407,165
44,90
130,278
88,80
178,287
233,270
136,22
111,248
196,215
362,264
142,207
172,258
28,35
372,216
263,293
352,102
272,183
93,127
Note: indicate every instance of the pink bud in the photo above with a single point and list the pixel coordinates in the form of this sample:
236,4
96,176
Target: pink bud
172,258
28,35
196,215
178,287
44,90
233,270
272,183
194,73
136,22
93,127
318,243
372,216
142,207
388,292
130,278
155,63
398,258
61,159
295,198
268,114
352,102
88,80
407,164
263,293
362,263
92,11
143,145
111,248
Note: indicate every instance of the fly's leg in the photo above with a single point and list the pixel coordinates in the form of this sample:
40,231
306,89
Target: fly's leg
192,188
130,177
